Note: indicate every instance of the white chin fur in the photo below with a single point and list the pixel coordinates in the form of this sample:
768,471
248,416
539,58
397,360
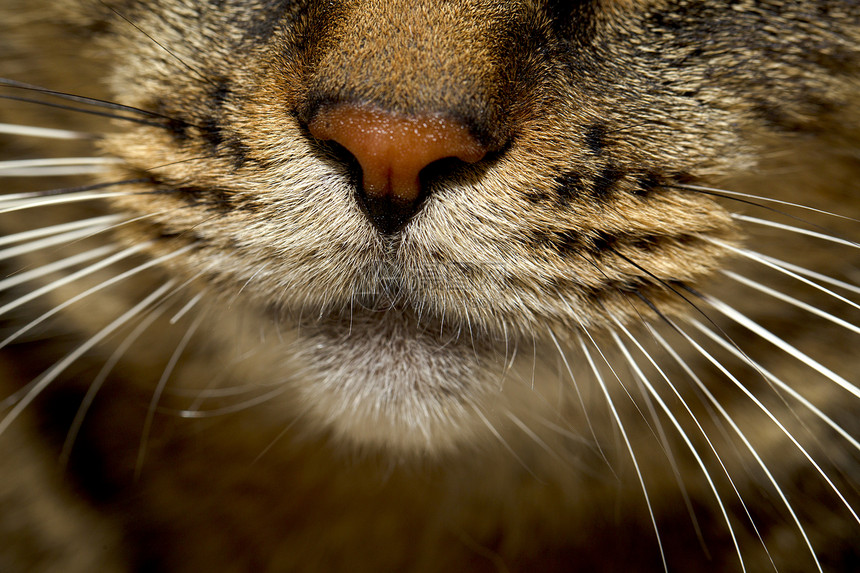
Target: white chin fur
384,380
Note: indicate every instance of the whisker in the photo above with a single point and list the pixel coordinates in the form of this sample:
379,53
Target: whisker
781,344
191,69
233,408
102,285
566,432
534,437
777,381
668,286
776,265
792,301
620,426
61,239
579,396
278,438
64,263
113,222
6,82
811,274
504,442
673,419
731,194
66,107
60,228
100,379
793,229
44,132
71,198
188,306
668,452
509,362
56,167
743,437
177,162
219,392
693,376
124,254
212,391
235,297
630,396
159,389
53,193
53,372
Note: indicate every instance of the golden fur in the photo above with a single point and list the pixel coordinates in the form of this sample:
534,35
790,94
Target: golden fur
295,390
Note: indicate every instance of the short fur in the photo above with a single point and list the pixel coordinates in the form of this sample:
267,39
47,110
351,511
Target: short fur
302,392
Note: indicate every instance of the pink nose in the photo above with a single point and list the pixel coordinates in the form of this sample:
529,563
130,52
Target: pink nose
392,148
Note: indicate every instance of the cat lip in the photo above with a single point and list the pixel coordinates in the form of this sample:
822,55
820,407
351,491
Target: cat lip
395,296
398,326
363,314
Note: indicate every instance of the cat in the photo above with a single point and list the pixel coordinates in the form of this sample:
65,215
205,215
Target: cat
353,285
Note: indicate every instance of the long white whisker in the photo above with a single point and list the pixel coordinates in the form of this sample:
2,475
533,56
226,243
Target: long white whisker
620,425
23,198
663,440
261,399
278,438
781,344
777,381
212,391
743,437
57,200
159,390
776,264
38,272
761,198
812,274
654,394
188,306
56,166
44,132
502,441
221,391
790,436
226,391
56,161
793,229
792,301
104,284
100,379
698,381
567,433
52,373
124,254
59,171
61,239
531,434
104,220
579,396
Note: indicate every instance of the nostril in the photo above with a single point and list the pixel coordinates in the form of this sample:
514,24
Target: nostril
392,149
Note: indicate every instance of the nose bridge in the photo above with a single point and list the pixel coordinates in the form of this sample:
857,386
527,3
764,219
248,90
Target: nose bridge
410,90
412,56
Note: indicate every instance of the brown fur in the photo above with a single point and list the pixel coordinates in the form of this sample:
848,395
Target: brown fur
422,401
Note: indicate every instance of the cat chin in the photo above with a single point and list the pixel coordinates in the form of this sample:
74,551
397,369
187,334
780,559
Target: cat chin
388,380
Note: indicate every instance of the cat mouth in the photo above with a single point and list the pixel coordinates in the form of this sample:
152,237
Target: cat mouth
384,368
392,299
384,375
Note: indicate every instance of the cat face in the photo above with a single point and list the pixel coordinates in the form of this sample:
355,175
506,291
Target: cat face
576,215
447,227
